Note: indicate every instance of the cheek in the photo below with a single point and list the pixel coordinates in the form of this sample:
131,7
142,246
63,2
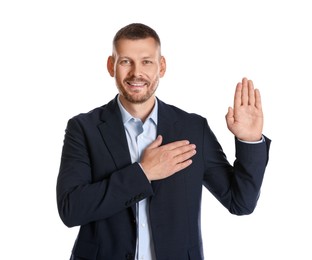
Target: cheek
153,73
121,73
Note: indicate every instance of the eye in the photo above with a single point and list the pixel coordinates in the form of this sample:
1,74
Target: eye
125,62
146,62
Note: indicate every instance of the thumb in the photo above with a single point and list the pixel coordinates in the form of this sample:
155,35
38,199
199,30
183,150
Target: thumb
229,116
156,143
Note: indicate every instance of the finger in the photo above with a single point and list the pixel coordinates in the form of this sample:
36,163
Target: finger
185,156
156,143
258,102
183,150
175,154
251,93
175,145
182,165
244,91
238,95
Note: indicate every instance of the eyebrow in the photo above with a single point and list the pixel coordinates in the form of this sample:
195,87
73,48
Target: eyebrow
143,58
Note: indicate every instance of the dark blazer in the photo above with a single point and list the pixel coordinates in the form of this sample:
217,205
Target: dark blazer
98,186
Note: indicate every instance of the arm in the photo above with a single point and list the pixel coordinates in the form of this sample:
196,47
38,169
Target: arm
83,196
238,187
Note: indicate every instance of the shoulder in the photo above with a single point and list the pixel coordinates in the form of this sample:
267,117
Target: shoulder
92,115
97,114
173,112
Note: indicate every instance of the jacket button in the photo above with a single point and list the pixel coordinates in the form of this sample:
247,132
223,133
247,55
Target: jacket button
129,256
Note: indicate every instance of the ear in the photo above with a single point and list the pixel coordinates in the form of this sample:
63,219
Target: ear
110,66
163,66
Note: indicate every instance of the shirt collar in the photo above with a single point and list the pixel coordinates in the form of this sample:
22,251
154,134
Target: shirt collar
126,116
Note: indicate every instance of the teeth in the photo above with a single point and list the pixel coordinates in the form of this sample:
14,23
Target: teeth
137,84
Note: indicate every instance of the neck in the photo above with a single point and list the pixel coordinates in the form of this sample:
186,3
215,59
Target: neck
139,110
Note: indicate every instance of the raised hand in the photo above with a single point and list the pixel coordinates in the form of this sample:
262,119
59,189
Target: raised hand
161,161
245,120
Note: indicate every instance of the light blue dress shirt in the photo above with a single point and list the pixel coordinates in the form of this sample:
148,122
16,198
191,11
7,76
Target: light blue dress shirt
139,136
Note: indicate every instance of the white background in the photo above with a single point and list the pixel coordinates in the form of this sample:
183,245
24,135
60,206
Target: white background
53,66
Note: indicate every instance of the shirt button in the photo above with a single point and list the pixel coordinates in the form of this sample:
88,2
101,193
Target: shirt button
143,225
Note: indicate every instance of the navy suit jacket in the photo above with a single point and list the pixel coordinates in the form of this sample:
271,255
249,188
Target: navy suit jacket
98,186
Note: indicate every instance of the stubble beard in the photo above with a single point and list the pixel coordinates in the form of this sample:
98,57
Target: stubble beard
139,99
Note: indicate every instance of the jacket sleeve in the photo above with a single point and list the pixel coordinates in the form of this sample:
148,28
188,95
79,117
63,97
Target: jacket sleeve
237,187
80,199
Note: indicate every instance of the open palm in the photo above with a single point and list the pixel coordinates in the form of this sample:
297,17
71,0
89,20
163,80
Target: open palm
245,120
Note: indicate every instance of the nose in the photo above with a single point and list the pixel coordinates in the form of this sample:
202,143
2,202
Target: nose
137,70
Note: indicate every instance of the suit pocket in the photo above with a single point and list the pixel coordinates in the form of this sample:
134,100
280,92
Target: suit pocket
195,253
85,250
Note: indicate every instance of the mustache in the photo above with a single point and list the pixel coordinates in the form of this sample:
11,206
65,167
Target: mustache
135,79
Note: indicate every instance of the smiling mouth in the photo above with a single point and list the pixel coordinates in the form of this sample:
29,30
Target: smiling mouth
136,84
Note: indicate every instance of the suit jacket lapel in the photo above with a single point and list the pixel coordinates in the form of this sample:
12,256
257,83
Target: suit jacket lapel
167,122
167,127
113,134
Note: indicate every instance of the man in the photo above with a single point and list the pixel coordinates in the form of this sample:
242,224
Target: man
132,171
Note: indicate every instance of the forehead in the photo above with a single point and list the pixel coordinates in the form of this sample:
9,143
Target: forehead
142,47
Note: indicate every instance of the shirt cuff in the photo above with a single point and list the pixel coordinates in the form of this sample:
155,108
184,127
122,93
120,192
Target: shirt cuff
256,142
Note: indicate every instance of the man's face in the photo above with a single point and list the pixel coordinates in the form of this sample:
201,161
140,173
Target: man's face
137,66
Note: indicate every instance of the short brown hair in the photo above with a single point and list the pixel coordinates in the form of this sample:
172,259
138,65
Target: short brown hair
136,31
